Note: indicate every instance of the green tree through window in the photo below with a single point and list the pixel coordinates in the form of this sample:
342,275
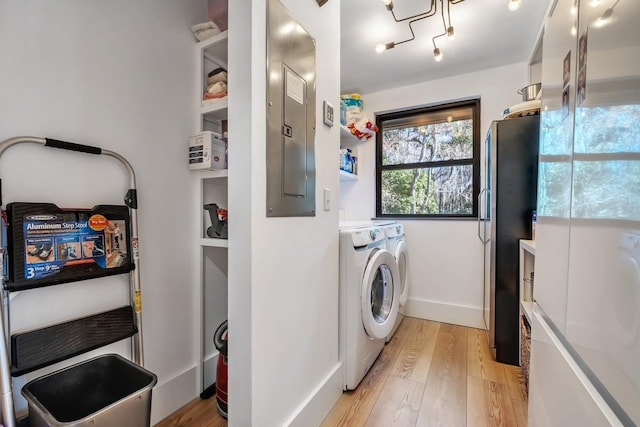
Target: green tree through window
428,161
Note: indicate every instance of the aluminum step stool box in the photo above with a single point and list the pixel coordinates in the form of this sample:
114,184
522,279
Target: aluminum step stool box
207,150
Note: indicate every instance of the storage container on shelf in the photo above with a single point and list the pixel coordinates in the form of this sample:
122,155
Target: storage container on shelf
351,108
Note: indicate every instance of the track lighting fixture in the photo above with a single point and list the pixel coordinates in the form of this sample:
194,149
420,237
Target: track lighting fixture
605,18
514,5
448,29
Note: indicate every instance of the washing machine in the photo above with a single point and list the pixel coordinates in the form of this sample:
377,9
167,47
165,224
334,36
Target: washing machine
394,233
369,300
346,224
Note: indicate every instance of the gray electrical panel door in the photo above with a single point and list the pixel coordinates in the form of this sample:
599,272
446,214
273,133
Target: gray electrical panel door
291,115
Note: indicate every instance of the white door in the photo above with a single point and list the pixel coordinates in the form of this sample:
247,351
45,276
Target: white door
380,296
401,256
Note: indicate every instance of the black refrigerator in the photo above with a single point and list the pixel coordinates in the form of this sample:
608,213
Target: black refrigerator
507,202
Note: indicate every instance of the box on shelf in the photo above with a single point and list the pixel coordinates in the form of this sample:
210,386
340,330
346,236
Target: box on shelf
207,150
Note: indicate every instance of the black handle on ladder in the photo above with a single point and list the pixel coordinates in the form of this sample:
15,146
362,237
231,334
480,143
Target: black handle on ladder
64,145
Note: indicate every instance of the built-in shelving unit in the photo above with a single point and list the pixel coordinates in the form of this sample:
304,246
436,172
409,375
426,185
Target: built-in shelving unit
527,264
212,187
527,299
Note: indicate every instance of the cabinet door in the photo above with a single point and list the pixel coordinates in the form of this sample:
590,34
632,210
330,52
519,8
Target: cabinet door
558,392
555,167
603,311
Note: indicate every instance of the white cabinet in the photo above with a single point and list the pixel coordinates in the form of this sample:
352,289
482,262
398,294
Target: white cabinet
212,187
560,394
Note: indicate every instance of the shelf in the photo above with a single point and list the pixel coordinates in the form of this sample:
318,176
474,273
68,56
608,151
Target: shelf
346,176
529,246
215,111
215,48
214,243
345,132
213,174
527,310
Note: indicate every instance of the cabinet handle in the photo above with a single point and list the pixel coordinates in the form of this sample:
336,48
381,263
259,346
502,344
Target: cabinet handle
480,215
486,239
64,145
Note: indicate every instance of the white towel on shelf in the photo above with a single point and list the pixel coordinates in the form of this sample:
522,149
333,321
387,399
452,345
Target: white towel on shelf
219,77
217,88
205,30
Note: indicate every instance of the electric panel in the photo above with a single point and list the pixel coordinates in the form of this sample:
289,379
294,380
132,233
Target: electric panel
291,115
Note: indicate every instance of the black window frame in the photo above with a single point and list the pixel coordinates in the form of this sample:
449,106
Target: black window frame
474,104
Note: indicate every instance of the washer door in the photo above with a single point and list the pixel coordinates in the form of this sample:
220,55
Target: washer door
380,296
402,256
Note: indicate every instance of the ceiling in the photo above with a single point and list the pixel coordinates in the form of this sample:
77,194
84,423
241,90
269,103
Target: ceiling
487,35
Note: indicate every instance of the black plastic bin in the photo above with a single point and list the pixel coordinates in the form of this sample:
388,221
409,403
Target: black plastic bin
107,390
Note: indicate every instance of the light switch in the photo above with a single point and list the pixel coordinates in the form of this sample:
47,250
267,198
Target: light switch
327,113
327,199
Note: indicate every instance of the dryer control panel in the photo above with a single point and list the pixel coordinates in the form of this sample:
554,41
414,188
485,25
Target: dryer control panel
367,236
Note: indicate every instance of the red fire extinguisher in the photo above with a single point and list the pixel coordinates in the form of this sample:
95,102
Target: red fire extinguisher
220,341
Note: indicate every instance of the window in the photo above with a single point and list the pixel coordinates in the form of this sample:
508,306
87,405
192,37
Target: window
428,161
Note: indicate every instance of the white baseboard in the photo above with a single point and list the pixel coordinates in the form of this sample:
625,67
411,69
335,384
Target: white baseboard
174,394
318,404
446,313
210,369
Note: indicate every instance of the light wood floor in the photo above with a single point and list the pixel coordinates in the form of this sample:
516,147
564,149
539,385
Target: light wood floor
197,413
430,374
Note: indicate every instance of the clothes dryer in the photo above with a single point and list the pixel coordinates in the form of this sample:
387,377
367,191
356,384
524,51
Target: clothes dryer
345,224
369,300
394,235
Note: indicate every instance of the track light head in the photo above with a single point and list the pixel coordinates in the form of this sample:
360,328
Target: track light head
604,19
514,5
451,34
388,4
437,54
385,46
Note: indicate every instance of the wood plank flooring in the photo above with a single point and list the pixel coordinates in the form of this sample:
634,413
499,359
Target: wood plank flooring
197,413
430,374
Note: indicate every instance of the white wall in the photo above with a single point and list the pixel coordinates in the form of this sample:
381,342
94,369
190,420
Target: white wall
118,75
446,257
283,272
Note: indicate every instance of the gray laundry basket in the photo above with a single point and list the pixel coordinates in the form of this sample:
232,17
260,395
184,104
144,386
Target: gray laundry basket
107,390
